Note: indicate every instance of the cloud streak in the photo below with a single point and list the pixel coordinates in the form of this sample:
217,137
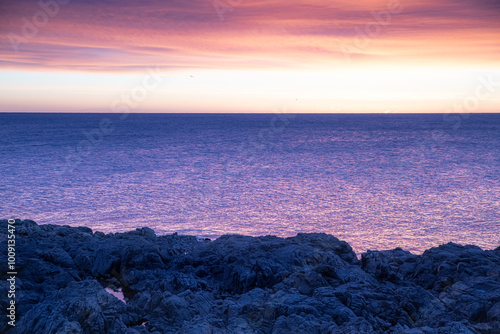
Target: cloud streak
127,35
368,55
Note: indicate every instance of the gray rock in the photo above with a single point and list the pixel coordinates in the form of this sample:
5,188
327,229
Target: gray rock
311,283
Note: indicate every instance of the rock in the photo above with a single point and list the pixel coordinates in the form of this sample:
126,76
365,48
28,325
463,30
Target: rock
81,307
387,265
311,283
494,312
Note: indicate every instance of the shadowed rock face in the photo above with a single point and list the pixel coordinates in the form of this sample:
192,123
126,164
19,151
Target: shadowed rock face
311,283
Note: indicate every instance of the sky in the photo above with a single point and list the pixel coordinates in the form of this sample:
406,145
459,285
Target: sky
318,56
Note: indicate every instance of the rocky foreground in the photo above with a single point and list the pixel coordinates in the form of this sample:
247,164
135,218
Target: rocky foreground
311,283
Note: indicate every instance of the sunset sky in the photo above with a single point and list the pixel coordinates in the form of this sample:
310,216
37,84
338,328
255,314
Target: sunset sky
250,56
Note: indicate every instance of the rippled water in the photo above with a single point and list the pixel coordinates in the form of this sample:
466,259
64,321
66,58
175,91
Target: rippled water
376,181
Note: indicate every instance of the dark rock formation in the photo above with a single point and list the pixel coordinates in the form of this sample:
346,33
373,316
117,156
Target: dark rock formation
311,283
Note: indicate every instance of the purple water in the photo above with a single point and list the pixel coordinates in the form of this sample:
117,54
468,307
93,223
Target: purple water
376,181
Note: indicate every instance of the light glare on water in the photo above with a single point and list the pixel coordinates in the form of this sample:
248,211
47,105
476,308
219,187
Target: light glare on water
376,181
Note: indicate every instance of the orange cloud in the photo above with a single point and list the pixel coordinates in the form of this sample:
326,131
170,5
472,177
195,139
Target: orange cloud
249,55
124,36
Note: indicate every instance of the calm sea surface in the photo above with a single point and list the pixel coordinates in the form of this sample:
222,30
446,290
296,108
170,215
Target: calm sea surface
376,181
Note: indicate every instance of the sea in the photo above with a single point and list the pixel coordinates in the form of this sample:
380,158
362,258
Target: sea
377,181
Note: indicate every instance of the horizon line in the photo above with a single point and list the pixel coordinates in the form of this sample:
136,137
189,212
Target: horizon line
245,113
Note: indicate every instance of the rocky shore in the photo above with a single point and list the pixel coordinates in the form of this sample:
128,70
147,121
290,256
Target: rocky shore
311,283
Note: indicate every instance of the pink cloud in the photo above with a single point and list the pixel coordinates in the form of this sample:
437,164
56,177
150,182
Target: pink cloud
126,35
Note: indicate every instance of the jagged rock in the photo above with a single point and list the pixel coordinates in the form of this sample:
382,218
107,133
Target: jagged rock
311,283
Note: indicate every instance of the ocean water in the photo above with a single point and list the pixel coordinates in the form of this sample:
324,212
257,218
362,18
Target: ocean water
377,181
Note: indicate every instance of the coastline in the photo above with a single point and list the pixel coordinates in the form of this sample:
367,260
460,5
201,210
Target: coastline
310,283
